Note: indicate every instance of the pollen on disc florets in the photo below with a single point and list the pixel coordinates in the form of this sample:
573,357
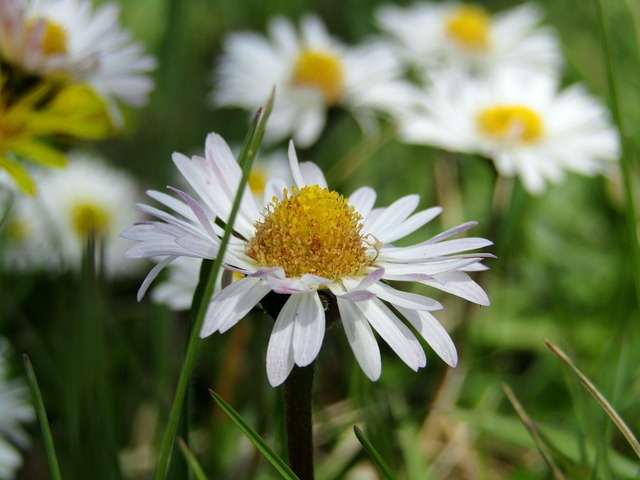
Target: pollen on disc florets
310,231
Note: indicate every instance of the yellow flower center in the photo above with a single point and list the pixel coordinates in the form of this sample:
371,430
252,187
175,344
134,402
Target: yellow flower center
312,231
322,71
257,181
54,39
512,123
469,25
90,219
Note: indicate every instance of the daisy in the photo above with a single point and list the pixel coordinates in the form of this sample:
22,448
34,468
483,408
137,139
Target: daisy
88,198
312,246
466,36
65,38
522,122
312,71
15,411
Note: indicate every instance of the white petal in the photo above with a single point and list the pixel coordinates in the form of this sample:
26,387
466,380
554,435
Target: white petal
427,250
404,299
280,359
434,333
394,332
308,331
153,273
393,215
306,173
361,339
232,303
460,284
411,224
363,200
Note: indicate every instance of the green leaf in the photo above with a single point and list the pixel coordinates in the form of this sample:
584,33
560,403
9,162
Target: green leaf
196,469
47,438
277,462
374,454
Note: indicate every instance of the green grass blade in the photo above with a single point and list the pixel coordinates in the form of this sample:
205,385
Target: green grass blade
251,143
374,454
47,438
606,406
533,430
278,463
195,467
625,159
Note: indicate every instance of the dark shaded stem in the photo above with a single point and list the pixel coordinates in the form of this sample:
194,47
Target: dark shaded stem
297,396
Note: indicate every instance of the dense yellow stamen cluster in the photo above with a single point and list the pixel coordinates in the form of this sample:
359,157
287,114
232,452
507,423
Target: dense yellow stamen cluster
322,71
89,219
310,231
512,123
54,39
469,26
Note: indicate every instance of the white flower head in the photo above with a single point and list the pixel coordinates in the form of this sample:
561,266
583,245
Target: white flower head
525,124
15,411
26,245
308,243
89,197
311,72
465,36
66,38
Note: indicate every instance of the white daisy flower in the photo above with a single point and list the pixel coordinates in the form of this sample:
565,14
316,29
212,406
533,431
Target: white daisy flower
66,38
466,36
25,239
15,411
522,122
312,244
89,197
312,71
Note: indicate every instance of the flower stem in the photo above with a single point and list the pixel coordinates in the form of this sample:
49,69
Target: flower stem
297,396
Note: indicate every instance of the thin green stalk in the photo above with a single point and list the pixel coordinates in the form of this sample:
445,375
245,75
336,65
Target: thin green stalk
374,454
47,438
606,406
533,430
625,160
249,150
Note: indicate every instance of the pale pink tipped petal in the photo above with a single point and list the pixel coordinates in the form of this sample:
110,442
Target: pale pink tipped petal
434,333
152,275
394,332
232,303
308,331
280,359
452,231
363,200
361,339
198,211
404,299
428,250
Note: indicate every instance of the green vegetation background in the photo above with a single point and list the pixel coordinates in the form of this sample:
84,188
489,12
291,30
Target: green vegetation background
107,365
